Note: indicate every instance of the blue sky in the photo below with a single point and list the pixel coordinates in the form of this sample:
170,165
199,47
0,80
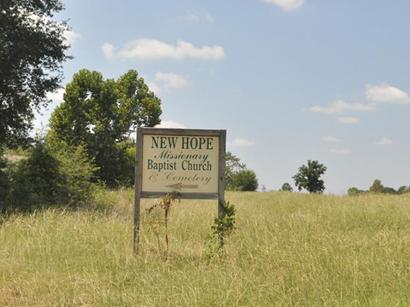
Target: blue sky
290,80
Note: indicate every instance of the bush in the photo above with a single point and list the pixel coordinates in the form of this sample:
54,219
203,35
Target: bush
77,172
4,182
35,181
58,175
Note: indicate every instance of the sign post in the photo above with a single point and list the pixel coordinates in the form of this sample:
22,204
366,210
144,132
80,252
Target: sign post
188,161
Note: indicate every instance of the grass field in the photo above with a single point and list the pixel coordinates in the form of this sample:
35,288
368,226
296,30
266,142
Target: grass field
287,250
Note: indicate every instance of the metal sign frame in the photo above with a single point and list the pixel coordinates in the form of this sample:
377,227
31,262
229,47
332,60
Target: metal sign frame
221,134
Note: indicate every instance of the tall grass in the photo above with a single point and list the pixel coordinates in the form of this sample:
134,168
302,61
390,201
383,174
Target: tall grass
288,249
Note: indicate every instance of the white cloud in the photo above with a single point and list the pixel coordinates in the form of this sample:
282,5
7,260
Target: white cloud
154,87
155,49
171,80
108,50
341,151
384,142
386,93
348,120
71,37
170,124
331,139
56,96
239,142
287,5
341,106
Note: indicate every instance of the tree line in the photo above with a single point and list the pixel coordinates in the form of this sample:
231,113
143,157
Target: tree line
378,187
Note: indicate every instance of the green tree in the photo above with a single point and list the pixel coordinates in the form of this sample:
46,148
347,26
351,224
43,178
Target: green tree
232,165
308,177
403,189
101,114
286,187
237,176
376,187
244,180
32,50
354,191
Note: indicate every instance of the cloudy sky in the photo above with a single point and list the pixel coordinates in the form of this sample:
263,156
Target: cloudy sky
290,80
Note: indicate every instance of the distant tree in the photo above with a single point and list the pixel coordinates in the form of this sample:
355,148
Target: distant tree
244,180
101,114
263,188
389,190
286,187
376,187
354,191
403,190
232,165
308,177
32,50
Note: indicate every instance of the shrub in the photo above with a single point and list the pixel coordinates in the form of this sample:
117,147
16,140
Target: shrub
35,181
57,175
4,181
77,172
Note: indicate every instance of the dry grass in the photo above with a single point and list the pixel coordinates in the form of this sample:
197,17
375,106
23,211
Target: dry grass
288,249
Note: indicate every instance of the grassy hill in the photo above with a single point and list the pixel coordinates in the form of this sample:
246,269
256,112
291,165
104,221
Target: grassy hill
288,249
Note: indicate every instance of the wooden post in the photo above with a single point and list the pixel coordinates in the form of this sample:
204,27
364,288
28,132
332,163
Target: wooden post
138,188
221,174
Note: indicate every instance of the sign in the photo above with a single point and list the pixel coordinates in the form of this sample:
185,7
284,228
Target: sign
190,162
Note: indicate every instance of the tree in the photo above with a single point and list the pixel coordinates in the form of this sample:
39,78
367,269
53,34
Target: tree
101,114
237,176
31,53
308,177
286,187
244,180
376,187
232,165
354,191
403,189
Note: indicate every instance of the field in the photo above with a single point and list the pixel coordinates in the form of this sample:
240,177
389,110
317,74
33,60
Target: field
288,250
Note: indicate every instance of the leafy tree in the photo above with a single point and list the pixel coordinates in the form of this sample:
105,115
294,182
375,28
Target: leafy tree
32,50
389,190
354,191
403,189
308,177
244,180
376,187
101,114
286,187
237,176
232,165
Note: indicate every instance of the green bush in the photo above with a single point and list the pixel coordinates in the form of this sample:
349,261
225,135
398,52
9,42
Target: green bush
36,181
77,172
4,181
56,175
